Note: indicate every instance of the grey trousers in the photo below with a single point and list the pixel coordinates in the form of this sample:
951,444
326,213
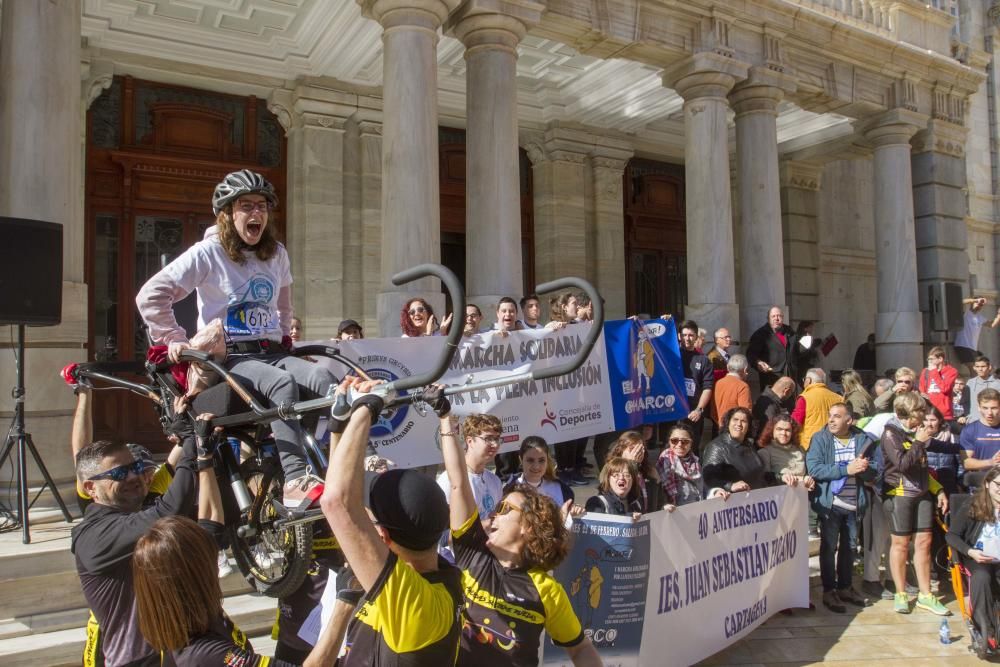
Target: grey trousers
876,531
282,378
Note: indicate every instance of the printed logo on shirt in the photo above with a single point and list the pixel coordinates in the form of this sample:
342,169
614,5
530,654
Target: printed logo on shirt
249,312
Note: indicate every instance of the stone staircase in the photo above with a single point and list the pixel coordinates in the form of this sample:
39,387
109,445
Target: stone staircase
43,615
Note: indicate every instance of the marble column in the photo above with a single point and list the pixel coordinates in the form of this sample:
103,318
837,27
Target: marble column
491,31
559,182
898,320
609,231
800,185
317,142
940,209
704,80
762,277
41,176
410,194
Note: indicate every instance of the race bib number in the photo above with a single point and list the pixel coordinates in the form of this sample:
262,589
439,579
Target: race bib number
689,386
249,319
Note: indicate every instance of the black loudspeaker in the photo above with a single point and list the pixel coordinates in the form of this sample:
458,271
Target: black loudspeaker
31,272
945,300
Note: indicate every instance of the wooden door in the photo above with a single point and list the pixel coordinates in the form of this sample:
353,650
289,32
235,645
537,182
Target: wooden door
655,238
154,156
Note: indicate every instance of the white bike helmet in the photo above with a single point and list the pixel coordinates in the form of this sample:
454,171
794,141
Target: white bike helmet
240,183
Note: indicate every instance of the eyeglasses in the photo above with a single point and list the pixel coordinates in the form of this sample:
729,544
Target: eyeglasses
506,507
119,473
680,441
724,337
472,316
418,309
249,207
621,474
490,439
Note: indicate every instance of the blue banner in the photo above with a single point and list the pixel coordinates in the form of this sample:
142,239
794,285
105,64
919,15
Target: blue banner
606,576
644,372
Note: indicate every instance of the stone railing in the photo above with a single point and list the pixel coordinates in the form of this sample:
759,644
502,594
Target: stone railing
927,24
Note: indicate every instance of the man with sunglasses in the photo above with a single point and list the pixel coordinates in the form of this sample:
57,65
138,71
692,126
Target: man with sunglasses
905,382
103,542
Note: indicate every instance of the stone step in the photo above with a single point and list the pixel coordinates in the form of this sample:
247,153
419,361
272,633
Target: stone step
52,602
48,644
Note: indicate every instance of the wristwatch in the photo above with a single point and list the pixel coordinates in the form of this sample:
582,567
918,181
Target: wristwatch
205,464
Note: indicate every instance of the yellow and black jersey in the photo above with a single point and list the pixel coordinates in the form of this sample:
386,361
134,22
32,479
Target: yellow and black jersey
159,485
224,645
407,618
507,608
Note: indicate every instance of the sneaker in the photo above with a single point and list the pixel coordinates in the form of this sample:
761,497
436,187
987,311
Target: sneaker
849,595
872,589
577,479
930,603
910,588
901,603
580,472
832,602
225,569
302,492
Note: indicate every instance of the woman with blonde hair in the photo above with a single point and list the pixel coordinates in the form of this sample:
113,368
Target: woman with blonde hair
856,396
618,492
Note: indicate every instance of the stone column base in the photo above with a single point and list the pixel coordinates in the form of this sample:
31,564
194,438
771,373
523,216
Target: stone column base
390,303
898,340
712,316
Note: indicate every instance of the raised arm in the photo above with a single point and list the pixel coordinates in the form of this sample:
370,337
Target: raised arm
83,422
462,502
343,499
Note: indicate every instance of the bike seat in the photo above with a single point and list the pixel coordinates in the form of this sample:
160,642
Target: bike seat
220,400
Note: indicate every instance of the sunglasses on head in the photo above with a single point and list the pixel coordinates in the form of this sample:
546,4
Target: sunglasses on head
119,473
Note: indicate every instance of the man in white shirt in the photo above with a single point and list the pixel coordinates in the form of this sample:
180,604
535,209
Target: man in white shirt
482,442
967,340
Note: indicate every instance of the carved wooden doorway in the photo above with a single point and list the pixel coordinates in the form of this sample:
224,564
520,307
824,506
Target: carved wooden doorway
655,238
154,155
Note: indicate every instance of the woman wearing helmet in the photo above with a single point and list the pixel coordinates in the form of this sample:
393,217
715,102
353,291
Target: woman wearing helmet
243,278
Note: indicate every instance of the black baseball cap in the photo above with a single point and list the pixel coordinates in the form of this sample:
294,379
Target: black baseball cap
347,324
410,506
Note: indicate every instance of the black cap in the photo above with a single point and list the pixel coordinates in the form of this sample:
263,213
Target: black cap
347,324
410,506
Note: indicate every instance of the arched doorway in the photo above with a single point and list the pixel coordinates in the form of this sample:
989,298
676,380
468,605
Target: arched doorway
655,238
154,155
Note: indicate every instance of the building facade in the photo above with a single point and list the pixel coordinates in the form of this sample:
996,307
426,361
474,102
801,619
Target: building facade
710,158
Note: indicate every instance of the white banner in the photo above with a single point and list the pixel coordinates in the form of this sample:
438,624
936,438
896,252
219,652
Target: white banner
558,409
718,569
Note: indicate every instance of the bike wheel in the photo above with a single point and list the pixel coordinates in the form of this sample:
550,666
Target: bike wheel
273,560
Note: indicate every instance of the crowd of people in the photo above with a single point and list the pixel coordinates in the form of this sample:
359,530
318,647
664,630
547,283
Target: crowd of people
457,570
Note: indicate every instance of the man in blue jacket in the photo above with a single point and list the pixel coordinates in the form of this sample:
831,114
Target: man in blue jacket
839,459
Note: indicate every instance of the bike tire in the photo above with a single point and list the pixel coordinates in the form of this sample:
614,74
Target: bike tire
294,544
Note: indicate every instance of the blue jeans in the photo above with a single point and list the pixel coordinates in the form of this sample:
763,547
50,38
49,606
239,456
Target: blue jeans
838,537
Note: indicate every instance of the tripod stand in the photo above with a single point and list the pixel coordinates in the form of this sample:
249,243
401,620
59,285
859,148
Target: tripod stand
22,441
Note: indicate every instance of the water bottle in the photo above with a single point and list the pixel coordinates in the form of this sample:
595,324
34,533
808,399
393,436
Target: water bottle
944,633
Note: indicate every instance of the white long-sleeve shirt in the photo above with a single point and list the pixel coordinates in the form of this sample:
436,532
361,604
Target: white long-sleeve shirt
252,299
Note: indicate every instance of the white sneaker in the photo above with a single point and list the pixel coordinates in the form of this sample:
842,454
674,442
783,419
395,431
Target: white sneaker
225,569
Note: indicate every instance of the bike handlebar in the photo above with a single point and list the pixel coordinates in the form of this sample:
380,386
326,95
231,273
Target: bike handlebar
457,294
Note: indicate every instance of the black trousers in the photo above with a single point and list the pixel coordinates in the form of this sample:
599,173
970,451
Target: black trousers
985,580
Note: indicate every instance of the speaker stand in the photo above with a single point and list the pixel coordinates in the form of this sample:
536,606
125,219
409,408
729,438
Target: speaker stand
21,443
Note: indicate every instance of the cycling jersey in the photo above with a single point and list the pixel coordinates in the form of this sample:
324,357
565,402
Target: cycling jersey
407,618
507,608
224,645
